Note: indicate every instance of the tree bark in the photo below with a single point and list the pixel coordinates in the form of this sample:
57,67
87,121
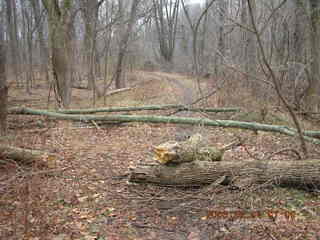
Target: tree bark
90,10
60,31
166,20
3,108
44,54
28,156
312,93
293,173
124,45
148,108
13,36
221,48
252,50
3,84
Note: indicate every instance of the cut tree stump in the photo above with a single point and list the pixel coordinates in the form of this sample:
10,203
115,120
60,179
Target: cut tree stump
287,173
28,156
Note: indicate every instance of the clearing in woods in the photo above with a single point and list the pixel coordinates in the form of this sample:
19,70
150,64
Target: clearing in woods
88,197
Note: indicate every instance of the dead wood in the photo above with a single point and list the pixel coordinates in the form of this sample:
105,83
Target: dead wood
293,173
27,156
187,151
129,109
174,120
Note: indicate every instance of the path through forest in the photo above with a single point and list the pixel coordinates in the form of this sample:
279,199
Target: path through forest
88,196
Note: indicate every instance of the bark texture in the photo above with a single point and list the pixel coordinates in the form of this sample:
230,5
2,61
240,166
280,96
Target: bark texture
287,173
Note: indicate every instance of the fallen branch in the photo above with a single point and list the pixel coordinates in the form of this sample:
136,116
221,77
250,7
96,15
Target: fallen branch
128,109
117,91
174,120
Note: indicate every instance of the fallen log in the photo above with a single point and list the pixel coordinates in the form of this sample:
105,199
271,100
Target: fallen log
174,120
129,109
113,92
28,156
286,173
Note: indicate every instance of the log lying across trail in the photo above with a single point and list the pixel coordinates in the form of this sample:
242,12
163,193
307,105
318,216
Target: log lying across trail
186,164
28,156
129,109
287,173
308,135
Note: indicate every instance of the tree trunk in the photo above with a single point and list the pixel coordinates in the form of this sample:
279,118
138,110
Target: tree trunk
252,51
60,32
44,55
297,49
90,9
312,93
119,81
13,36
166,19
288,173
221,48
3,84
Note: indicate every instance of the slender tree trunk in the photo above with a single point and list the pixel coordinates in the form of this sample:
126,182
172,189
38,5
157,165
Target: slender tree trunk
221,38
312,95
244,38
13,36
119,81
3,84
166,19
297,49
27,52
252,51
44,54
90,16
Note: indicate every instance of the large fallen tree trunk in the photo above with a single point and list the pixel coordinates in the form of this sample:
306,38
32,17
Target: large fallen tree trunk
129,109
174,120
295,173
27,156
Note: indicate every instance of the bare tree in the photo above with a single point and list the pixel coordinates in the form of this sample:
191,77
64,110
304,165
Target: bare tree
312,93
124,40
90,10
194,26
13,34
297,57
272,74
61,15
3,82
221,36
251,48
166,14
39,20
27,33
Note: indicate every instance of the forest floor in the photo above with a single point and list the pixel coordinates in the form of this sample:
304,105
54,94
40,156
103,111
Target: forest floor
88,197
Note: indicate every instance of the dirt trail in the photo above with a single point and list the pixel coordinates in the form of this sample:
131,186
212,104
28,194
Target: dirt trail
184,87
